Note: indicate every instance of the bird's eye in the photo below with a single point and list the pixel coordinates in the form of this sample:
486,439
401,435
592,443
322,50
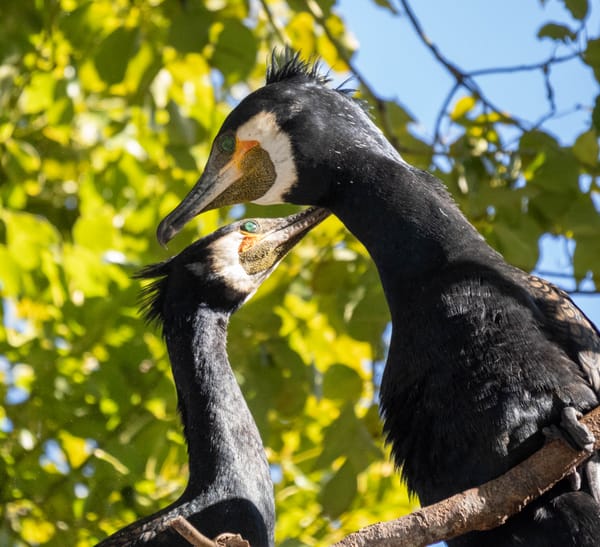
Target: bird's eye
227,144
250,226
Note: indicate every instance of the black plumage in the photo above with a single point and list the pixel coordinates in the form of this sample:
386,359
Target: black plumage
482,356
192,298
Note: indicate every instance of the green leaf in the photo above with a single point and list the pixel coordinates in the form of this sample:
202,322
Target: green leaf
578,8
114,53
38,95
387,5
22,159
582,219
559,172
586,148
585,257
339,491
596,115
189,30
556,31
28,238
342,382
235,51
533,142
348,436
592,55
518,243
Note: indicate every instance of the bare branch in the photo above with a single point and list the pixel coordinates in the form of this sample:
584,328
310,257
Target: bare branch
466,79
437,138
484,507
523,68
462,78
186,530
272,21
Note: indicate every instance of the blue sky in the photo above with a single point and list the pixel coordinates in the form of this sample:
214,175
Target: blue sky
475,34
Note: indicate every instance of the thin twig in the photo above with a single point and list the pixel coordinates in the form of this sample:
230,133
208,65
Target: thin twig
523,68
272,22
438,122
379,102
464,79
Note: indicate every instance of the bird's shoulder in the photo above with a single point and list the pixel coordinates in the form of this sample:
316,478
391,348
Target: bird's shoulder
565,323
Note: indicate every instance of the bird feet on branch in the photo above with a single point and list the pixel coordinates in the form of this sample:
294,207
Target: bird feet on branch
579,437
231,540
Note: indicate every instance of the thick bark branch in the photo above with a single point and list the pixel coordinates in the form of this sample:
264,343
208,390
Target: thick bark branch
483,507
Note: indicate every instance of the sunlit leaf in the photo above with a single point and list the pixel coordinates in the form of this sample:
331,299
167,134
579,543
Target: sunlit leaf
36,531
74,447
38,95
462,107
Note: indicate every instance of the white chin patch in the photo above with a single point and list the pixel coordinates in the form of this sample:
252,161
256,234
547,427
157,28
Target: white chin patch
263,128
224,264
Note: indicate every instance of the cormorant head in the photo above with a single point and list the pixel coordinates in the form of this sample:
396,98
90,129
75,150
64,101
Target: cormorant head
286,142
225,268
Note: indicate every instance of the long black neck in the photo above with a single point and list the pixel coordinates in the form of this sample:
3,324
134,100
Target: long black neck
218,426
405,218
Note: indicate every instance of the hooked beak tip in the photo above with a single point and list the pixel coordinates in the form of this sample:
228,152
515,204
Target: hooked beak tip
165,232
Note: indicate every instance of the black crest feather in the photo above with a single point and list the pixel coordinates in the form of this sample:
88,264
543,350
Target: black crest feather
152,295
287,63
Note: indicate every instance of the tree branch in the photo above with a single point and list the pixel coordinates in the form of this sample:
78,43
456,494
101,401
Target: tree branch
466,79
524,68
463,79
193,536
378,101
272,22
483,507
183,527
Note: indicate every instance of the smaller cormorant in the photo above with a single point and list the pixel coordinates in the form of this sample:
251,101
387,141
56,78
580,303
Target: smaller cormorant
193,297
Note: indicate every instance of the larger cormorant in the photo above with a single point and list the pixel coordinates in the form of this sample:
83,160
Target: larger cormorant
229,488
483,356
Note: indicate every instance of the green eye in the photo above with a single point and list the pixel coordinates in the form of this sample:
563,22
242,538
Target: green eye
227,144
250,226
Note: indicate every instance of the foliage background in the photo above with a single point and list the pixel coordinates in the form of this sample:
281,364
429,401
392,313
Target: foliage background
107,111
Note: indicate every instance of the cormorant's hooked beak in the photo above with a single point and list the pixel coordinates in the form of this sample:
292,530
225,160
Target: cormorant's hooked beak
244,176
294,227
281,234
201,195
